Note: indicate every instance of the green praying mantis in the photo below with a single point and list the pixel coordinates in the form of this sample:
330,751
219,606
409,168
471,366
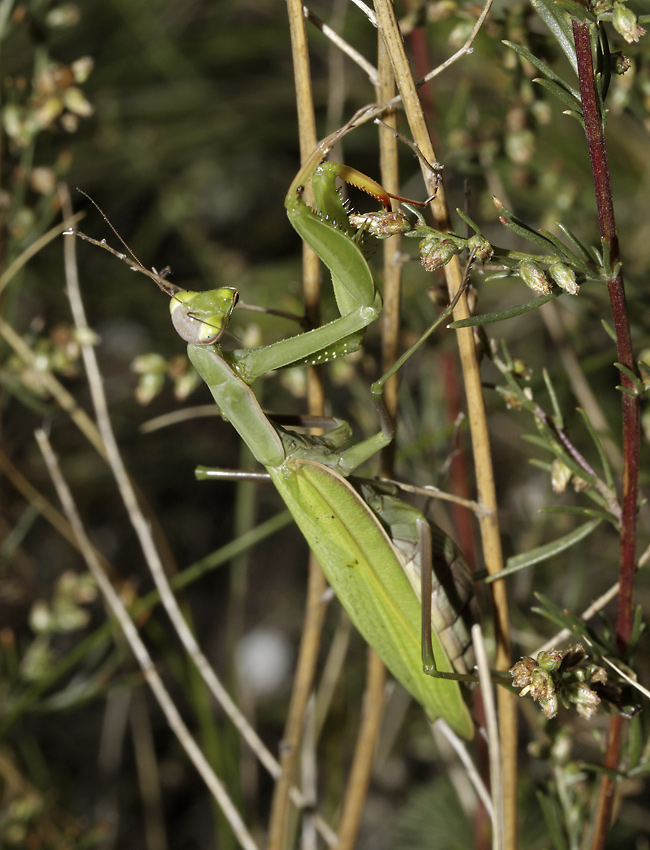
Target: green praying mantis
402,581
379,554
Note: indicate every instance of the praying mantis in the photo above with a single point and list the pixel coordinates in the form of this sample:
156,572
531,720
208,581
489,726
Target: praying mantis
386,563
375,550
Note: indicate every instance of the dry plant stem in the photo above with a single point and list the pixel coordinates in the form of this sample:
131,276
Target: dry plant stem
343,46
391,318
460,748
492,728
465,50
478,424
315,608
309,775
364,753
143,530
594,132
144,659
373,700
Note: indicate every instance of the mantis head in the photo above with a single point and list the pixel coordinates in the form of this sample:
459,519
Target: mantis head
201,317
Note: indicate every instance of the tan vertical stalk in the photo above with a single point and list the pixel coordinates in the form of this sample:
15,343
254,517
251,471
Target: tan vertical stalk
488,522
373,701
314,610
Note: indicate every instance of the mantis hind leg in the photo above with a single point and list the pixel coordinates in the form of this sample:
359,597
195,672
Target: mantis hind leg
429,665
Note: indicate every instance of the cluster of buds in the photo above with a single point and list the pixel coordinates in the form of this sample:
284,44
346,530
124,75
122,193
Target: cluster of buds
436,251
534,277
57,96
59,352
437,248
557,675
153,369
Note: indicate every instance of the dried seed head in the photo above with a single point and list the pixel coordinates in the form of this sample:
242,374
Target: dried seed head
556,675
381,224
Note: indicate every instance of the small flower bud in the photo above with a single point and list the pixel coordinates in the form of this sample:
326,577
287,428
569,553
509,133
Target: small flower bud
152,362
520,146
520,369
579,484
565,278
149,385
596,675
550,660
481,247
543,690
534,277
585,700
436,253
185,384
560,475
511,400
626,23
75,101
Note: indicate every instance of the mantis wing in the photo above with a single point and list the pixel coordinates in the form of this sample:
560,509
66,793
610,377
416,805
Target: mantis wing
359,561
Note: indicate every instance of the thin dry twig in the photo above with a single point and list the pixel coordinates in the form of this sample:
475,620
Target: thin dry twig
465,50
154,681
345,47
492,728
459,747
35,247
373,699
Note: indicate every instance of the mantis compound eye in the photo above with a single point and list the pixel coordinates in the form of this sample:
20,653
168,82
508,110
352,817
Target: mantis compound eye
201,317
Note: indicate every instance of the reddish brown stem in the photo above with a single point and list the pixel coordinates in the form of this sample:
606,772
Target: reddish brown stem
630,407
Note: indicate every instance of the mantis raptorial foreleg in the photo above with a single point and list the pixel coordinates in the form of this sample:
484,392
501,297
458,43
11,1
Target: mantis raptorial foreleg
200,317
